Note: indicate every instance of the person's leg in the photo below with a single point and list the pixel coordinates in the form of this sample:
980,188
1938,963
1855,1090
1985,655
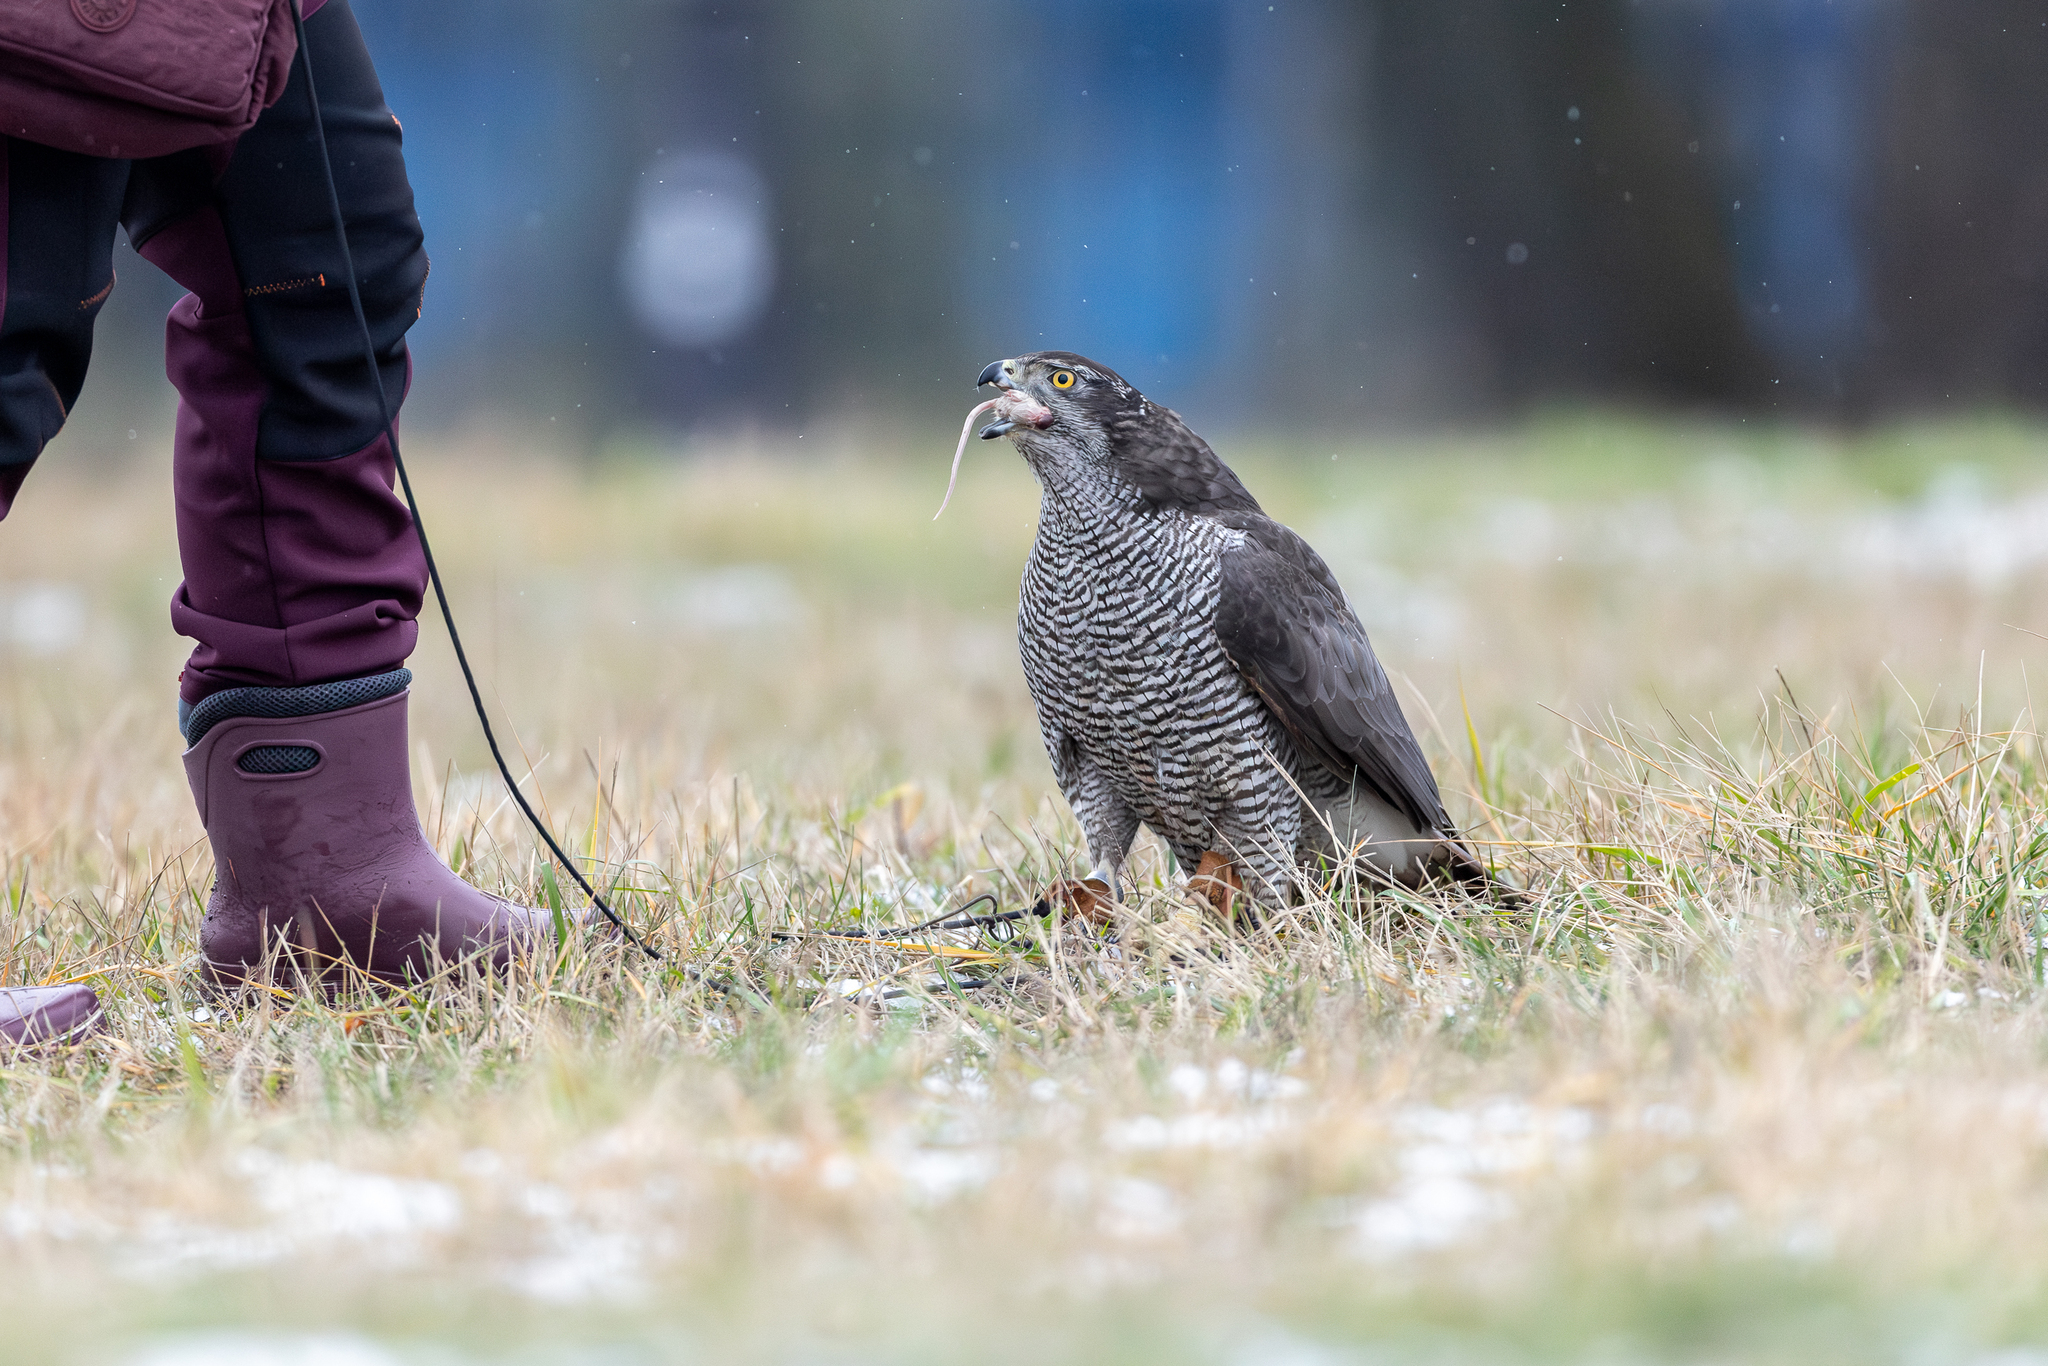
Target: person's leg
58,211
302,571
57,217
301,566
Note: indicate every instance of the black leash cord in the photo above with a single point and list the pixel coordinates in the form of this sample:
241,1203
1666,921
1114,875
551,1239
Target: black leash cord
355,299
952,920
955,920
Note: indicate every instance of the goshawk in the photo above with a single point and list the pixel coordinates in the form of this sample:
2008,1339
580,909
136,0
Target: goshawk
1195,665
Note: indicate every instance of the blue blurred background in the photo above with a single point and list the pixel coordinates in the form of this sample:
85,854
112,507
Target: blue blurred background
651,214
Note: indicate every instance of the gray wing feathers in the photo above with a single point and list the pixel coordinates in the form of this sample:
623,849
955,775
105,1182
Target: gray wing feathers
1171,467
1289,632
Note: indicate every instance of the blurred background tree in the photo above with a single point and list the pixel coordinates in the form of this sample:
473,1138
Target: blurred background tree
1307,214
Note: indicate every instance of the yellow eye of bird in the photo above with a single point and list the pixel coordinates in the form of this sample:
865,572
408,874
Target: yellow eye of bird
1063,379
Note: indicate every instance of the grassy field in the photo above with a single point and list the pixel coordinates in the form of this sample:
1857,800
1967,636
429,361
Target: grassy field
1759,1076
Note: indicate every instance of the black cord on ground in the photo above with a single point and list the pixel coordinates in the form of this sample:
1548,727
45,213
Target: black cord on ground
952,920
476,696
942,922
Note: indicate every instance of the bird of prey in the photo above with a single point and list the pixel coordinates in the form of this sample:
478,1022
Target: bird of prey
1195,665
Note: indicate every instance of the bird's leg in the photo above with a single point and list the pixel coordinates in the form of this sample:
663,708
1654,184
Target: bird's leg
1106,819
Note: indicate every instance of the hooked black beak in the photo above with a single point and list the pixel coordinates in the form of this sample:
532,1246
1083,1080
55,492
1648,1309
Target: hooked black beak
994,375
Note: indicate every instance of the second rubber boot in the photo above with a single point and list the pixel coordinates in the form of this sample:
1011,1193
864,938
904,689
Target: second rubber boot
33,1015
306,795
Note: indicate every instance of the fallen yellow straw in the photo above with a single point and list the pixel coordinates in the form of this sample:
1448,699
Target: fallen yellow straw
942,950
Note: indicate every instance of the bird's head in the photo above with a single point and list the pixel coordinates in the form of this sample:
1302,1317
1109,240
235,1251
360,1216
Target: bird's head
1066,397
1058,407
1091,438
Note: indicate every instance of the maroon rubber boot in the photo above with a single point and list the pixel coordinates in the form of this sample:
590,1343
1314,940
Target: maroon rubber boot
33,1015
317,848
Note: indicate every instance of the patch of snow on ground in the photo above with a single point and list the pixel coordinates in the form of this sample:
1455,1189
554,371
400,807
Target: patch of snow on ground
43,618
1273,1346
1139,1210
319,1201
311,1206
1150,1133
1264,1093
1445,1192
262,1349
1954,531
931,1176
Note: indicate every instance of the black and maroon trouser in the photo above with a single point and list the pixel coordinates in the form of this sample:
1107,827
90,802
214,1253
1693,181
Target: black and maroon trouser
300,563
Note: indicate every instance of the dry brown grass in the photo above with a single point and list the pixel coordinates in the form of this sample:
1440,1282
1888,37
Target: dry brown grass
1757,1077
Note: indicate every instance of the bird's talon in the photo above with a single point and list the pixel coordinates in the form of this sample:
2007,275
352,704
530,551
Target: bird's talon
1217,883
1088,899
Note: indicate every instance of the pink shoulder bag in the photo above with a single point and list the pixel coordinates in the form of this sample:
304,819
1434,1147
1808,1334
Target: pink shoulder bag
140,78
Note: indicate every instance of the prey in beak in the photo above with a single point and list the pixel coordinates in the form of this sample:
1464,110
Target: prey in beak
1013,408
